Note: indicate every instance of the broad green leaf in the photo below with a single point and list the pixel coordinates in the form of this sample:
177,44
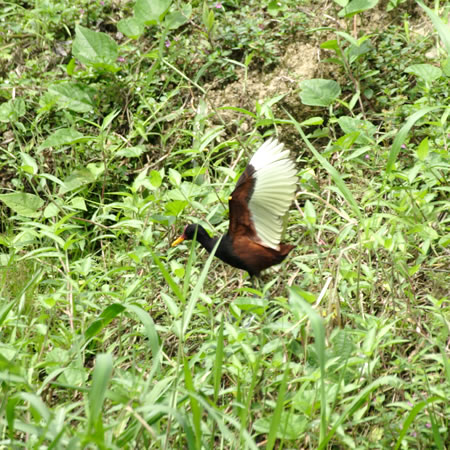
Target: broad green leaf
51,210
274,7
95,49
365,129
356,7
78,203
255,305
29,164
312,121
155,178
332,44
130,152
22,203
63,136
107,121
319,92
5,112
174,177
74,374
6,307
310,213
70,68
73,96
445,66
194,172
171,304
208,18
130,223
348,140
422,149
131,27
175,20
348,37
141,180
96,169
427,72
107,315
52,178
149,12
175,207
76,179
12,110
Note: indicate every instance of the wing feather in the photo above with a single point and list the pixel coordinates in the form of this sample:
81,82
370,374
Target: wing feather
273,191
263,195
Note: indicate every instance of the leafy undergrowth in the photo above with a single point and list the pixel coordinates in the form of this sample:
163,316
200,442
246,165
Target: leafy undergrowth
110,143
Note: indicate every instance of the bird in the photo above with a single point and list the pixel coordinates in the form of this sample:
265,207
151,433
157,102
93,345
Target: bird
262,196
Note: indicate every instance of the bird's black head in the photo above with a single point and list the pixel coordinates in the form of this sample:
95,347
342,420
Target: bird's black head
193,230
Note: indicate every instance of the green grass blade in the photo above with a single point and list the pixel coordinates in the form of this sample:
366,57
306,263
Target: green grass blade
340,183
158,411
195,407
196,291
149,327
221,419
188,269
441,27
411,416
363,395
37,404
401,136
319,334
169,279
276,418
100,379
4,311
108,314
446,362
217,370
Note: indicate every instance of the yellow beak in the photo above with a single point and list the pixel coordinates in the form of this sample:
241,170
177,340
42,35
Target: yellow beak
177,241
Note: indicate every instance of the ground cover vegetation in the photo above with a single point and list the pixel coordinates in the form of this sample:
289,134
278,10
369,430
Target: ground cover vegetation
120,122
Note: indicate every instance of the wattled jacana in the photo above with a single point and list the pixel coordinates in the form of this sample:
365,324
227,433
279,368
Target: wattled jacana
257,205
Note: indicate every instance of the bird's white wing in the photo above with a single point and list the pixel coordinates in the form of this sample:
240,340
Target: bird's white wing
273,192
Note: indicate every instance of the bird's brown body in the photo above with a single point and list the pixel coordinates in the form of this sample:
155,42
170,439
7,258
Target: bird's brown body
253,257
242,247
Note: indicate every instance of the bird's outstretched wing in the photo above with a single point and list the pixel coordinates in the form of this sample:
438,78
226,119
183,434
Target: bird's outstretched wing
263,195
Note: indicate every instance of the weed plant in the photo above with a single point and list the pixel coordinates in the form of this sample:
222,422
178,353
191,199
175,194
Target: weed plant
110,141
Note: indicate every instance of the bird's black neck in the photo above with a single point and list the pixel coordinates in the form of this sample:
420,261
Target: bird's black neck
224,251
206,241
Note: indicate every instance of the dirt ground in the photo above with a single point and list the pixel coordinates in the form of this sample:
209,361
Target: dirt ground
303,59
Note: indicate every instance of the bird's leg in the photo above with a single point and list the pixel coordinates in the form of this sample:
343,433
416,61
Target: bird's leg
255,284
247,322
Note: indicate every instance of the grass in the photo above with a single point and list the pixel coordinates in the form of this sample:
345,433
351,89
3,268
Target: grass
119,124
